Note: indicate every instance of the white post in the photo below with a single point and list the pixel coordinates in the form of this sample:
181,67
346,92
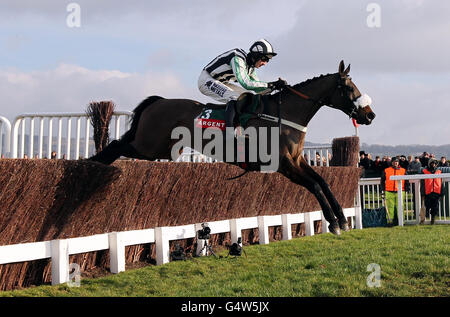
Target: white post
41,138
86,145
235,230
50,137
417,200
22,138
309,224
7,128
286,227
324,224
162,246
60,261
116,252
58,151
69,135
263,230
31,139
400,203
358,210
77,144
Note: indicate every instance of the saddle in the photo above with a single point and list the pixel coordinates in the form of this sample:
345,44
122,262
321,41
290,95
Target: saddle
213,115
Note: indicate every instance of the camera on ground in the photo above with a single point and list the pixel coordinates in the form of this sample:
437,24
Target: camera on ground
205,232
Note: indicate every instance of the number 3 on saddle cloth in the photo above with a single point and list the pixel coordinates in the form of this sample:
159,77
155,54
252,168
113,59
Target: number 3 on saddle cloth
248,105
213,115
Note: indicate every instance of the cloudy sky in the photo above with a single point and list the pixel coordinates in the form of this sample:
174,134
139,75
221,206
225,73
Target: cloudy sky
124,51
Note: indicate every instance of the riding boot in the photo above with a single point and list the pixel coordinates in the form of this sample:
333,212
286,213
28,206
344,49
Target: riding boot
230,112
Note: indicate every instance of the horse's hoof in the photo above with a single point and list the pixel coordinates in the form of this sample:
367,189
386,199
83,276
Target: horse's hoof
344,226
334,229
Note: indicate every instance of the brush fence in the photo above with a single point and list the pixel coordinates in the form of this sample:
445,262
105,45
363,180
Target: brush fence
115,242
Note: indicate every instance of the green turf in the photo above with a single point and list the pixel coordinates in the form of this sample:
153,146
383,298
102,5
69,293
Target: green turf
414,261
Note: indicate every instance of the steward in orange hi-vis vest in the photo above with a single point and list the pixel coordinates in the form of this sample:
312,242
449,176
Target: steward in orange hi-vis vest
389,189
433,190
433,185
389,185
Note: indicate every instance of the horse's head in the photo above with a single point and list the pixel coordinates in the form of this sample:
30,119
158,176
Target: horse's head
347,98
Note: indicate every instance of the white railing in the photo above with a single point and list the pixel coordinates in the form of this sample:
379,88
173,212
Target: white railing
71,128
310,153
5,136
415,179
191,155
59,250
75,128
410,201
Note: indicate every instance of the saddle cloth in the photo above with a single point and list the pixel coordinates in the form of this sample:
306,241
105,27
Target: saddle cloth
213,115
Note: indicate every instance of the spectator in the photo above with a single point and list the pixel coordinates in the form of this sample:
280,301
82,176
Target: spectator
410,159
364,162
424,159
377,166
53,155
387,162
443,162
403,162
389,190
433,190
415,166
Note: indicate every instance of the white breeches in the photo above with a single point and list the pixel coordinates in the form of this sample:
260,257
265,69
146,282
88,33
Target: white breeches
222,92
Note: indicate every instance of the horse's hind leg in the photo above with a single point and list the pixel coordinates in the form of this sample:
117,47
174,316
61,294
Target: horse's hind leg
335,206
114,150
297,175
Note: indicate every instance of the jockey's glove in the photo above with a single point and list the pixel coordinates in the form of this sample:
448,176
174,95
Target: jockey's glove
277,85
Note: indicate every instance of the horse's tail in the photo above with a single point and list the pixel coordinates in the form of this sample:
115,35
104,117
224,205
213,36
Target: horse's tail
130,134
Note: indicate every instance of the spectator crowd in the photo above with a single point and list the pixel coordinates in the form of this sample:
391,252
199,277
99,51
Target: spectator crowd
412,164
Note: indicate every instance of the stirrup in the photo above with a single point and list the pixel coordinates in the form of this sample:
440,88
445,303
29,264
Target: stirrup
238,132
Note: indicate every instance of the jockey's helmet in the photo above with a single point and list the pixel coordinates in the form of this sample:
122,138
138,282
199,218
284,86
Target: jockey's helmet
261,49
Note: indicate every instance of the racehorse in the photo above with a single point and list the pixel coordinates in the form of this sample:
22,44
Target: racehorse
290,109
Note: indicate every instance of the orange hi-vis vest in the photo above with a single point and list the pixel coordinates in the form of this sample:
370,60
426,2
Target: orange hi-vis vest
392,186
432,185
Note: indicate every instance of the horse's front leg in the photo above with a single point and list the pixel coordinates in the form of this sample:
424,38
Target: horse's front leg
336,207
297,175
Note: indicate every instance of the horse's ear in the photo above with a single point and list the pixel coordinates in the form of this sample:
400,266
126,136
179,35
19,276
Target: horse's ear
347,70
341,68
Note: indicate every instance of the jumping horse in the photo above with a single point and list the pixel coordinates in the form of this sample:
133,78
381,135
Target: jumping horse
291,109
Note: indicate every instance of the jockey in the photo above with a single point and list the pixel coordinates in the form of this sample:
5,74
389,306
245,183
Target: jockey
236,65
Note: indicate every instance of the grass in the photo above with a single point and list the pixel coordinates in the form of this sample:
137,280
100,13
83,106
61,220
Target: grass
414,261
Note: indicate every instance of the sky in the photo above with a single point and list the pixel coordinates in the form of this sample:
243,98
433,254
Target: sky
54,58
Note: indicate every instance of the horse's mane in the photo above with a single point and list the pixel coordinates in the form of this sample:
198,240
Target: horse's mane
309,81
300,85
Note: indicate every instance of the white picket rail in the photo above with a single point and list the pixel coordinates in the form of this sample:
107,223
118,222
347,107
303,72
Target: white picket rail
371,198
5,136
416,180
59,250
324,151
44,122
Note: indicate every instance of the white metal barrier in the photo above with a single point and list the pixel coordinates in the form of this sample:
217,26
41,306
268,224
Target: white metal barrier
59,250
319,155
410,201
5,136
442,217
72,128
38,135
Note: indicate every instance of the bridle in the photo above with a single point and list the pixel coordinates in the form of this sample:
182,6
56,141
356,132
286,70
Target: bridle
340,86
